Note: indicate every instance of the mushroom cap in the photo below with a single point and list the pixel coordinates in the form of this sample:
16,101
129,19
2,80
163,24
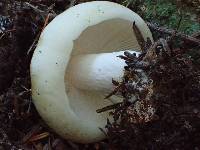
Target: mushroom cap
87,28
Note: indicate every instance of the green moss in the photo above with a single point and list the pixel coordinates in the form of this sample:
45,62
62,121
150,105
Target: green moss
166,13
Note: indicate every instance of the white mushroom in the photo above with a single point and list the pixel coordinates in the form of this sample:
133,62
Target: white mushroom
74,63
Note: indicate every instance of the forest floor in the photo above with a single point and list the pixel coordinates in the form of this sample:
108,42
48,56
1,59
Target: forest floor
177,125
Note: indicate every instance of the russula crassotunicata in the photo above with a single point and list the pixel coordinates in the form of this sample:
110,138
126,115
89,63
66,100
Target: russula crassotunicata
74,63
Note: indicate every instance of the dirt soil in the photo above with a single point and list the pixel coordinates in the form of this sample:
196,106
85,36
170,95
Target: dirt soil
21,126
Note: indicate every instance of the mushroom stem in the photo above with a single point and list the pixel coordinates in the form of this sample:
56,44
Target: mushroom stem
94,72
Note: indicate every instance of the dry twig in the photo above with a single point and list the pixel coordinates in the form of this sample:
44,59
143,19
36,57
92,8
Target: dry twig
174,32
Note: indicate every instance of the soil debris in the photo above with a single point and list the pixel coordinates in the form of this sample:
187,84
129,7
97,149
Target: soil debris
172,66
